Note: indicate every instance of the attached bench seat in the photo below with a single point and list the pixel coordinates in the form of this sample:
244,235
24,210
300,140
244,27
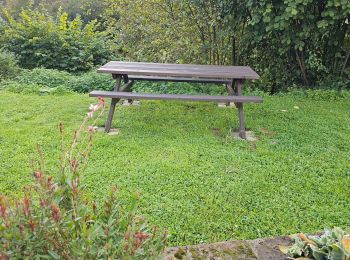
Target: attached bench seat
206,98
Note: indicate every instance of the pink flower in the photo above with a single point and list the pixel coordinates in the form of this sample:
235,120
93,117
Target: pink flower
90,114
38,175
43,203
26,204
75,185
74,164
32,225
91,130
101,101
55,212
3,208
94,108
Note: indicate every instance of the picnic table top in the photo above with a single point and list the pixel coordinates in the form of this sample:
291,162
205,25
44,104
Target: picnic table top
179,70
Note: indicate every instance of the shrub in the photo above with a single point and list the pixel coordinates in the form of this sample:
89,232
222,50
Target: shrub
16,87
40,40
334,244
90,81
8,65
317,94
44,77
55,220
179,88
41,80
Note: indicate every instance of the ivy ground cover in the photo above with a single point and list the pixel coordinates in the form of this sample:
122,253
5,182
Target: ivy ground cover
193,177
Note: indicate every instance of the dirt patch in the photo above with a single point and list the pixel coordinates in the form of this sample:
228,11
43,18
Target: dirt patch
216,131
267,132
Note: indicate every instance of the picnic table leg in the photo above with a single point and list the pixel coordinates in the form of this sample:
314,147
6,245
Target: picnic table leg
114,102
230,91
242,133
126,80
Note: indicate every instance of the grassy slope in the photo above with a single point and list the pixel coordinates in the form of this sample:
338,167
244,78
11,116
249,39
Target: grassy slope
195,179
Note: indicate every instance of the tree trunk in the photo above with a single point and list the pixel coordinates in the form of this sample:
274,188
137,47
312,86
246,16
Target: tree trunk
344,65
233,51
302,69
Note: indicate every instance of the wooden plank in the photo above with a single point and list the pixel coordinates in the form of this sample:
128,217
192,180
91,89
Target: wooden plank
204,98
159,66
180,70
172,65
179,79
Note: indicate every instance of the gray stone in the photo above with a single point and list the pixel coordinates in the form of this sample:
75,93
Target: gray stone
126,103
222,105
249,135
132,103
112,131
262,249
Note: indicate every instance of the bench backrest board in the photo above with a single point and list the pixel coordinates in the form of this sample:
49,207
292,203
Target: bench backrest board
179,70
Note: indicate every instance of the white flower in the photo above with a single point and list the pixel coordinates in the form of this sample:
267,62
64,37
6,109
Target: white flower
90,114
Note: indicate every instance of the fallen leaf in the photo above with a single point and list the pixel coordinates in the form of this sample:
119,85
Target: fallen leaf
284,249
346,243
305,239
296,107
283,110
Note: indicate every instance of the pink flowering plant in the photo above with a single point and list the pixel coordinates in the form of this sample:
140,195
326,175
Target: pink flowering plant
55,220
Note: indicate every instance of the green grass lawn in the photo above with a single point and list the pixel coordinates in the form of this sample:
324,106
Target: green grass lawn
195,179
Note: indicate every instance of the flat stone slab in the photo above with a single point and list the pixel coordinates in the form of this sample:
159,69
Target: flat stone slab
249,135
132,103
222,105
112,131
262,249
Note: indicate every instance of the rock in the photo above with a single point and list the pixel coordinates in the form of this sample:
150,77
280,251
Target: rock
262,249
250,136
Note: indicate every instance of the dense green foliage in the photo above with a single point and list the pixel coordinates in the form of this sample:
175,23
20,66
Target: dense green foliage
43,81
56,220
310,38
301,42
46,81
288,42
195,179
8,65
39,39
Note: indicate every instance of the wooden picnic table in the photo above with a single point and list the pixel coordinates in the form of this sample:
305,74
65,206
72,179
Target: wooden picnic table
232,76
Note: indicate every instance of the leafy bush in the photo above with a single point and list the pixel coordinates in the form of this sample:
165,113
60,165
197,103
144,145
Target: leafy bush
333,244
179,88
317,94
44,77
8,65
55,219
16,87
335,83
40,80
38,40
90,81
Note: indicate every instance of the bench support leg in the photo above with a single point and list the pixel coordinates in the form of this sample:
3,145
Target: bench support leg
114,102
230,91
242,132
